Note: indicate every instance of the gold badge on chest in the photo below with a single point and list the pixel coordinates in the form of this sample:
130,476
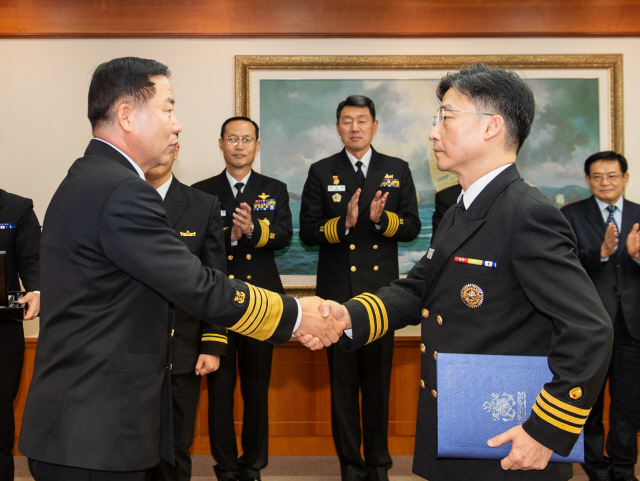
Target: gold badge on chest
336,197
472,296
336,180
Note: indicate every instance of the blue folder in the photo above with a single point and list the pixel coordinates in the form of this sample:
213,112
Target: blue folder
481,396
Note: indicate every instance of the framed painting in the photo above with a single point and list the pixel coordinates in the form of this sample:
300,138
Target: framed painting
579,110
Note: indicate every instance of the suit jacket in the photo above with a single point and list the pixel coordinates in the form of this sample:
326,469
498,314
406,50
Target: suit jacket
620,275
21,242
537,301
252,259
366,258
195,216
444,199
110,262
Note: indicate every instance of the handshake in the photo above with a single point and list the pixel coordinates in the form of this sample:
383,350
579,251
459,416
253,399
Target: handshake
322,322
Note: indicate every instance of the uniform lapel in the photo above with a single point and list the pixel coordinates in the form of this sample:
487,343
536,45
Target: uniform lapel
174,202
346,173
223,191
375,173
594,217
457,234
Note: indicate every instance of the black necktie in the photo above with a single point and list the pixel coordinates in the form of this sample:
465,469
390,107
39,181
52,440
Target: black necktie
239,187
360,174
611,220
460,209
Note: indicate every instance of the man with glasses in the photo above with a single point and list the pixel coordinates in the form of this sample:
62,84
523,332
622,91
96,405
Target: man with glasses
357,205
529,295
257,221
606,225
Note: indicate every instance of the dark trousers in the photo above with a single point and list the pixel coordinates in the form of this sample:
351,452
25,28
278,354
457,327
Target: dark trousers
254,366
10,373
368,370
42,471
185,391
624,413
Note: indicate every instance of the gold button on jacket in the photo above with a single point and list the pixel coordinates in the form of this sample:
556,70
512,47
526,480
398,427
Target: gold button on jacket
425,313
248,257
423,348
353,268
439,319
230,258
422,384
352,246
434,393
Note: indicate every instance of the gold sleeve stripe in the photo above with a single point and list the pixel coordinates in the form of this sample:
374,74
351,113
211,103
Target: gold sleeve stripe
384,325
331,230
394,223
567,407
560,414
214,337
264,234
378,320
262,316
556,423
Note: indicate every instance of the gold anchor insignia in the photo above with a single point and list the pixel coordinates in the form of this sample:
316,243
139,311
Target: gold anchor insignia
472,296
321,228
336,181
188,234
264,196
336,197
239,297
388,176
266,221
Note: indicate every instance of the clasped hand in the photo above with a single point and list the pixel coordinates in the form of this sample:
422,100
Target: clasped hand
322,322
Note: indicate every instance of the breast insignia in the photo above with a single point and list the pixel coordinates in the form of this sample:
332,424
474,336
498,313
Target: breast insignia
336,181
472,296
336,197
264,196
188,234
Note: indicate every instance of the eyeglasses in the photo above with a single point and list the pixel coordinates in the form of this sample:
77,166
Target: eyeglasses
613,178
439,117
237,140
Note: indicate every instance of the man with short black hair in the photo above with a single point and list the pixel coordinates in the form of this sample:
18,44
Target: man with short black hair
99,404
357,205
530,296
606,225
257,222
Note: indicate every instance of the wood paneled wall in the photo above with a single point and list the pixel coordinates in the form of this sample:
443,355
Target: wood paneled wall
319,18
299,401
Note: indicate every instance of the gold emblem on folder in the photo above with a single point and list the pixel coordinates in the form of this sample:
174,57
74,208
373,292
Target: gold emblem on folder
472,296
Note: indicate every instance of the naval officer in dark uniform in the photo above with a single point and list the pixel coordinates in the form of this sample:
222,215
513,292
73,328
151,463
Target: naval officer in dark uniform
257,222
196,345
357,205
531,296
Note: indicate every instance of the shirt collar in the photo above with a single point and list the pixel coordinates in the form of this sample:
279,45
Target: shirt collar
233,182
164,188
604,205
478,186
366,158
135,166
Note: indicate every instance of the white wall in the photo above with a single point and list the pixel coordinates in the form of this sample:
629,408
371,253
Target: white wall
44,83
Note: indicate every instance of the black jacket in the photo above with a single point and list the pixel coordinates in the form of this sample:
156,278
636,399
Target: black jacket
536,301
110,262
367,258
20,239
252,258
195,216
620,275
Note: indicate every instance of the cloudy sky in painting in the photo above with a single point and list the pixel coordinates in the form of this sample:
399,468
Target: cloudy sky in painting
297,122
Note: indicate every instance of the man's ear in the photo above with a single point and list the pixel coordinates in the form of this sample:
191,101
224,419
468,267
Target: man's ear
494,127
126,116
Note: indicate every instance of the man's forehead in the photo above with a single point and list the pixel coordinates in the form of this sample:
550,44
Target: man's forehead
237,127
606,165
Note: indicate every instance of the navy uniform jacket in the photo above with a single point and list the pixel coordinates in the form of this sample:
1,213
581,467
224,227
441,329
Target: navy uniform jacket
195,216
367,254
110,262
252,259
20,239
537,301
620,274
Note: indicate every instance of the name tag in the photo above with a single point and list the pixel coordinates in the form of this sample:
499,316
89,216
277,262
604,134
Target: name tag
430,253
336,188
223,213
